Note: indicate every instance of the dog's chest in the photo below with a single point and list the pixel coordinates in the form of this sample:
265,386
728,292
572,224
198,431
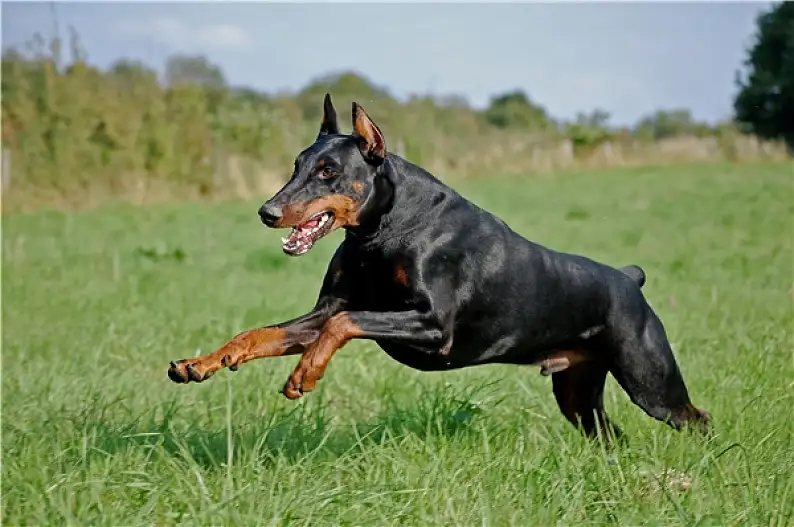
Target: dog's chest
380,285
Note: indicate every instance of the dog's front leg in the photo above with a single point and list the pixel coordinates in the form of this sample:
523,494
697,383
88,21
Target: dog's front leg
407,326
288,338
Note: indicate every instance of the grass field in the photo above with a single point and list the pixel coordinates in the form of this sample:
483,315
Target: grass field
96,303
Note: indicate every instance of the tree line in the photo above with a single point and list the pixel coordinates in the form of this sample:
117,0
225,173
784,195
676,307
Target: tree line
69,125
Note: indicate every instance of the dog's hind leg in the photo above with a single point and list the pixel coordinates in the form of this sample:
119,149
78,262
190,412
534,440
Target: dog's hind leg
579,391
642,362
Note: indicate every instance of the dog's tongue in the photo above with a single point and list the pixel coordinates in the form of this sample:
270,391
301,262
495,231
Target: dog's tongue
303,236
310,224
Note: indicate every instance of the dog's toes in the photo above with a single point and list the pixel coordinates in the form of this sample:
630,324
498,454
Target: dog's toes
182,372
194,374
177,373
226,362
292,391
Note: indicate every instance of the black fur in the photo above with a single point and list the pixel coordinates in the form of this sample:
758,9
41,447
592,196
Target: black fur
441,284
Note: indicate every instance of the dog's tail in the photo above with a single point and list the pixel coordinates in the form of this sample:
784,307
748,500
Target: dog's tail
634,272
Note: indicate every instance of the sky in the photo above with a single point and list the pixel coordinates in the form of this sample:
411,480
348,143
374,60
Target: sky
627,58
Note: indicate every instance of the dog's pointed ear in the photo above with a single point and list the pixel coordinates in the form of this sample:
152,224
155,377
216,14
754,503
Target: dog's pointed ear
372,143
329,126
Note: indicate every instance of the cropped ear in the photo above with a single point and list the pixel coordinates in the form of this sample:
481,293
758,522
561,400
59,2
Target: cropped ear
372,143
329,126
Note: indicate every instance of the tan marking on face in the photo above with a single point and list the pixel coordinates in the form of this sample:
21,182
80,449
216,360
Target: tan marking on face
345,211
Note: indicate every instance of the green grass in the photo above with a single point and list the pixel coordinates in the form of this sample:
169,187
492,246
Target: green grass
96,303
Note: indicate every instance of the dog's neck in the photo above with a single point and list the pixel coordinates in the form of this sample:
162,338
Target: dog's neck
403,199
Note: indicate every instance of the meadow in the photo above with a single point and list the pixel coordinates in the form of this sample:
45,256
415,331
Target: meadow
96,303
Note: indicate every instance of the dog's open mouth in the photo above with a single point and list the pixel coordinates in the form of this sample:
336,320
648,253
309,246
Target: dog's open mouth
303,236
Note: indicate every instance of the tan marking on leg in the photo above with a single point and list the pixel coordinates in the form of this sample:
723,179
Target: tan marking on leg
337,332
247,346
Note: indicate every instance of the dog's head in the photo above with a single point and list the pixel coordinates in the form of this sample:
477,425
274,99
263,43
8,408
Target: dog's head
333,179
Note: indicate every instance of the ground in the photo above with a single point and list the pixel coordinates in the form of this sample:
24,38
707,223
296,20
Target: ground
96,303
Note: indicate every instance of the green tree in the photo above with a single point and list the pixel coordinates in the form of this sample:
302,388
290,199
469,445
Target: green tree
193,69
515,110
764,104
589,130
669,123
344,85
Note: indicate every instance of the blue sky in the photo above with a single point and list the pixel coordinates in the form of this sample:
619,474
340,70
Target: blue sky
627,58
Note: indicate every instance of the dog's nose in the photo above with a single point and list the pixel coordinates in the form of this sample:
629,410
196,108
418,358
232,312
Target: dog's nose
270,214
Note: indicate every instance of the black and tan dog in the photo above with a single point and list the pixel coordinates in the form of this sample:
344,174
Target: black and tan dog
441,284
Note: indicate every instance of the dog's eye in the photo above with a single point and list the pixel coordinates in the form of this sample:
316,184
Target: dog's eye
326,173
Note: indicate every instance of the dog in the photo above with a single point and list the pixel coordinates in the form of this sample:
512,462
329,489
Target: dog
441,284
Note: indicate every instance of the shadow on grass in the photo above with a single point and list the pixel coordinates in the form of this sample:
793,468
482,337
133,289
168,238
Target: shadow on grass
302,433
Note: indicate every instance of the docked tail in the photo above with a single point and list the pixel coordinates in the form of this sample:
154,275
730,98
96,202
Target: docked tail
634,272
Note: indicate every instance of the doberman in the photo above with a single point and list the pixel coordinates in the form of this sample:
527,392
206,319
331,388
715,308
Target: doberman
441,284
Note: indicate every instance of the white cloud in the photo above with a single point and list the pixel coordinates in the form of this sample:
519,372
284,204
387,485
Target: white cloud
178,35
225,35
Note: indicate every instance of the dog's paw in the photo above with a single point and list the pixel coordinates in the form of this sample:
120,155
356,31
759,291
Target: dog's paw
292,391
303,380
296,385
186,370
